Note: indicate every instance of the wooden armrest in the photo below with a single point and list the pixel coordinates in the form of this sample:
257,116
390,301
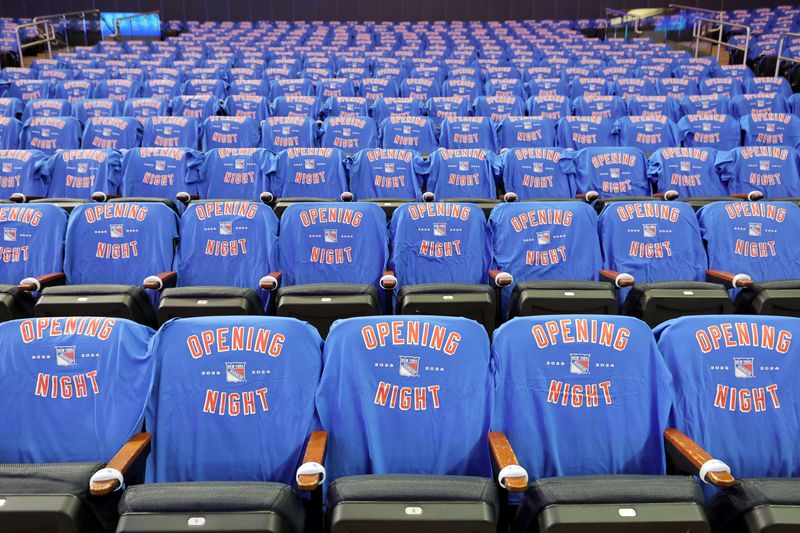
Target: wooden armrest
752,196
20,198
500,278
315,453
388,281
42,282
726,278
185,197
667,195
100,196
613,277
270,282
589,196
689,457
502,456
122,461
160,281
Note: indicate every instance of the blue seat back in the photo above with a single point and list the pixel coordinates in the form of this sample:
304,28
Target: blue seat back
280,133
79,173
23,171
170,132
688,171
611,172
33,241
386,173
113,133
349,134
236,173
161,172
581,132
309,172
526,132
463,173
721,132
772,170
468,132
411,133
49,134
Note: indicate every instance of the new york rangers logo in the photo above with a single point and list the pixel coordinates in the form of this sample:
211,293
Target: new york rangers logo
527,126
286,130
706,126
235,372
167,130
543,237
161,165
107,132
409,366
116,231
579,363
439,229
465,128
584,127
388,168
649,230
763,165
331,235
686,166
65,355
614,172
82,168
463,166
648,127
309,164
226,126
347,132
743,367
239,164
406,130
770,127
538,167
226,228
754,229
9,234
7,167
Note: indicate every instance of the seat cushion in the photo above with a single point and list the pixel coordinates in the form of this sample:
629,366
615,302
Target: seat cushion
729,504
215,497
561,285
20,303
328,289
202,291
750,300
142,311
444,288
412,488
607,489
633,303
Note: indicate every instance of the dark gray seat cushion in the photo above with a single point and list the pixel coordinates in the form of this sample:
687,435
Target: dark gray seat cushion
729,504
142,310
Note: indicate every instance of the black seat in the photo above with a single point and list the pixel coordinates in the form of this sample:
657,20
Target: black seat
118,301
770,298
15,303
333,301
450,299
208,300
557,297
258,506
658,302
756,504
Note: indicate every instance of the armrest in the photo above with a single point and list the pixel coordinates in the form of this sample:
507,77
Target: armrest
619,280
503,456
42,282
510,197
160,281
500,278
667,195
20,198
185,197
752,196
270,282
100,196
731,281
689,457
588,196
266,197
428,197
388,281
346,196
315,453
122,461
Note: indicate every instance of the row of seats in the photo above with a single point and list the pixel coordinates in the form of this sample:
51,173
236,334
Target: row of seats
772,172
417,418
324,261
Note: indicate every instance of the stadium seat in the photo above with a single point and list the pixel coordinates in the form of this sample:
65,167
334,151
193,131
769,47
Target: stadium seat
113,133
754,241
464,174
721,132
229,132
383,108
581,132
559,382
46,107
29,89
553,107
772,171
83,110
774,129
654,106
205,86
235,173
654,253
67,374
525,132
198,107
11,107
118,89
349,133
247,105
297,106
144,108
73,90
77,174
695,104
687,174
746,104
47,134
226,254
596,105
280,133
647,133
407,132
730,371
254,396
162,88
308,174
496,108
387,177
170,132
156,174
374,483
23,172
608,173
468,132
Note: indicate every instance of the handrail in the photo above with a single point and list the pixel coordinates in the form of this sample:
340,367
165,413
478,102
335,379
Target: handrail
698,36
622,16
71,14
62,15
698,9
49,36
780,51
131,17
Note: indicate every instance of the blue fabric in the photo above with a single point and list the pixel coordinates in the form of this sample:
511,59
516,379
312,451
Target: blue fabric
49,134
161,172
773,170
677,87
349,134
566,387
244,385
755,238
280,133
247,105
715,131
112,133
745,104
383,108
611,172
23,171
291,87
654,105
309,172
581,132
297,106
581,86
236,173
446,107
11,107
118,89
771,129
335,87
46,107
377,88
333,243
420,88
162,88
79,173
526,132
73,90
198,107
412,133
119,243
378,422
729,87
499,107
83,110
33,241
143,108
386,173
628,87
10,131
229,132
537,173
29,89
463,173
170,132
346,106
548,87
259,87
85,379
647,133
707,103
468,132
593,105
195,86
688,171
768,84
553,107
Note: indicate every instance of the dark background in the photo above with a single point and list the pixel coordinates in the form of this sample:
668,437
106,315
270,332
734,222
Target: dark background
360,9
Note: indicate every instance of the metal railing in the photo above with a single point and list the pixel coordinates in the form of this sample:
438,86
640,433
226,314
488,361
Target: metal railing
780,52
129,18
81,15
700,34
720,14
48,36
621,18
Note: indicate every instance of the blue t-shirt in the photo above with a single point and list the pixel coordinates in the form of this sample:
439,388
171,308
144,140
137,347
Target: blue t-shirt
11,107
647,133
595,105
33,240
446,107
143,108
170,132
654,105
412,133
247,105
537,173
198,107
297,106
581,132
161,172
463,173
781,129
526,132
611,172
468,132
773,170
280,133
78,173
721,132
112,133
23,171
83,110
553,107
496,108
229,132
48,134
236,173
10,131
745,104
308,172
386,173
46,107
349,134
383,108
688,171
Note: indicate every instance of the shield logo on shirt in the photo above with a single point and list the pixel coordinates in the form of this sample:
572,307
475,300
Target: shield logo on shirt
388,168
706,126
308,164
770,128
9,234
161,165
465,128
439,229
763,165
406,130
409,366
107,132
286,130
584,127
45,133
331,235
225,126
743,367
550,106
651,106
579,363
754,229
115,231
463,166
65,355
614,173
648,127
235,372
226,228
167,130
686,166
447,106
347,132
239,164
7,167
527,125
82,168
650,230
538,167
543,237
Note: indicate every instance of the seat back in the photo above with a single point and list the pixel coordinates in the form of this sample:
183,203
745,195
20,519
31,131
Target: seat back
565,387
526,132
754,238
439,243
713,130
757,103
236,173
144,108
581,132
161,172
309,172
47,107
83,110
229,244
552,106
280,133
688,171
170,132
198,107
774,129
230,132
611,172
119,242
648,134
696,104
33,241
79,173
653,241
386,173
499,107
737,376
85,379
114,133
391,385
244,385
440,108
349,134
411,133
333,243
254,106
49,134
296,106
596,105
468,132
23,171
384,107
463,173
772,170
346,106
